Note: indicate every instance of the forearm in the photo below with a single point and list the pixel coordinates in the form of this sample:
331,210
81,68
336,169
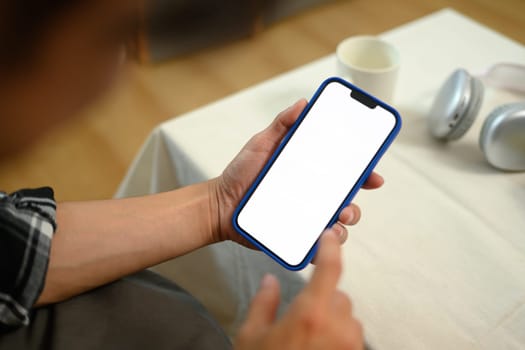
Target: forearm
100,241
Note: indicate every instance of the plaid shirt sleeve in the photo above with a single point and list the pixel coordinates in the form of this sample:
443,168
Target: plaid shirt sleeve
27,224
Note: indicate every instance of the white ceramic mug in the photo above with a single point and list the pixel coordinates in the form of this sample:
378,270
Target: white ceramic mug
370,63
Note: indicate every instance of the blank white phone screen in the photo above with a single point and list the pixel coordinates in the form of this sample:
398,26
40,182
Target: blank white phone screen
314,173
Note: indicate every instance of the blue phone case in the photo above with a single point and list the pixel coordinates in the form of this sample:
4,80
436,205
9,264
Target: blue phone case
350,195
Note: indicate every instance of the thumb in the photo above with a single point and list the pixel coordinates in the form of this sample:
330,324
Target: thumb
263,309
284,121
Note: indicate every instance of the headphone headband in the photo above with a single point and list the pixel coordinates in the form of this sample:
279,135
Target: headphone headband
506,76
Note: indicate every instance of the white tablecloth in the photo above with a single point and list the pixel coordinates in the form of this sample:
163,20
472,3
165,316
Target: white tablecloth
438,259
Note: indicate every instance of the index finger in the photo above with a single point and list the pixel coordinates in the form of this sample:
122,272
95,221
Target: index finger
328,266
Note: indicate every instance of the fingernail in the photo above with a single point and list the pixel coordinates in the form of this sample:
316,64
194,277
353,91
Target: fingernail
351,216
290,107
337,230
295,104
332,231
268,280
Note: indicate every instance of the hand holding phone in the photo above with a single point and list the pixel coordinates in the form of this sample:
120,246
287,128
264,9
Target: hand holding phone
298,194
230,187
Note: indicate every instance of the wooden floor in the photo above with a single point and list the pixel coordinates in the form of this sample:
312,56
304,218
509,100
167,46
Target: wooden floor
87,157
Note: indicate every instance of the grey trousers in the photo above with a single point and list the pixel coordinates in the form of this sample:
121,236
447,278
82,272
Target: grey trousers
142,311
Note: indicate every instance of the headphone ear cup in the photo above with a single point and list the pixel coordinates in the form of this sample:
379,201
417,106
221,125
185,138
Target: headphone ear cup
472,108
488,124
456,106
502,137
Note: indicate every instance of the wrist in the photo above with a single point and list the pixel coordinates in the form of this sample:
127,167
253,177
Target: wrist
191,214
214,217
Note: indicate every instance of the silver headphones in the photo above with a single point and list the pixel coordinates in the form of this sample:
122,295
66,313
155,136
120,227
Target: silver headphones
502,137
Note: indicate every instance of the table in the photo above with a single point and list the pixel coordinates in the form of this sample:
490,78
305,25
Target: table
438,259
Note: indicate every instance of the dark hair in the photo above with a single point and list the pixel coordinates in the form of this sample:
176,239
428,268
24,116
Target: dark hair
22,23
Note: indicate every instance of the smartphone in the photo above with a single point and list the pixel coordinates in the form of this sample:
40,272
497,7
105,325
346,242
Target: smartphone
315,172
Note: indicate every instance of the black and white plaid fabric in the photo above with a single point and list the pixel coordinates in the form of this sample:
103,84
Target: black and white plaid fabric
27,224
